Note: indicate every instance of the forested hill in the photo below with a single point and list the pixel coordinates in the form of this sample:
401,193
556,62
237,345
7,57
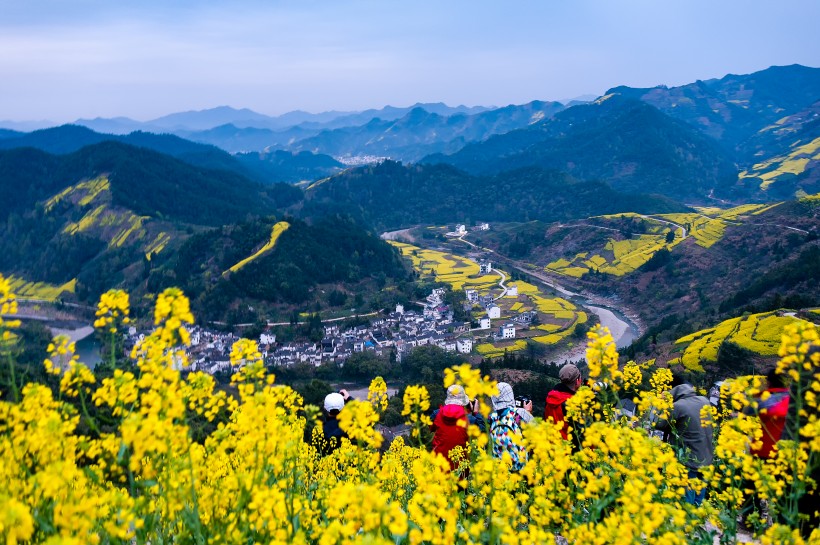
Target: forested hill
332,251
143,181
394,195
627,143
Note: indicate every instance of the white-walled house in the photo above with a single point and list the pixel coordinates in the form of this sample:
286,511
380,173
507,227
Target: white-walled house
267,338
471,295
507,331
494,311
464,346
512,290
484,323
485,267
461,229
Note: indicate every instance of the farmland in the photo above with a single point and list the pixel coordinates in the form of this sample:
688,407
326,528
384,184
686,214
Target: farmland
758,333
555,318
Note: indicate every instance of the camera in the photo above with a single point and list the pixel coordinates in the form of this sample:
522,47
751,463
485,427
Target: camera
521,401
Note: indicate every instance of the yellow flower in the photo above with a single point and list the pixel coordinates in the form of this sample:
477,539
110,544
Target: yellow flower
377,394
358,420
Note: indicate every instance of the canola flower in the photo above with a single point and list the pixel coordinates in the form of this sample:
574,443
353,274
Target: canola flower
141,478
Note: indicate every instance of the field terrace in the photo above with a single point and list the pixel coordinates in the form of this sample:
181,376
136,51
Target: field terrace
556,317
759,333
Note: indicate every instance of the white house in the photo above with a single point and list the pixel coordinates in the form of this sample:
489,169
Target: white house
485,267
267,338
464,346
512,290
461,229
507,331
493,311
471,295
484,323
483,227
399,309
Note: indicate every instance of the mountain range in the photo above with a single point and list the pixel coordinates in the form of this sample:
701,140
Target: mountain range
91,210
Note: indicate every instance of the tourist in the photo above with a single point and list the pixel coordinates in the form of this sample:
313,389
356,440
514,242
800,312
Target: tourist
505,426
685,429
571,380
332,434
450,423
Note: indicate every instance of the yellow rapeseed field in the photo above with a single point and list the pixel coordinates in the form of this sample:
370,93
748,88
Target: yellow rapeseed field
138,476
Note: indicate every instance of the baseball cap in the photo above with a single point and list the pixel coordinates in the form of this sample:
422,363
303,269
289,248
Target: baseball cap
334,402
569,374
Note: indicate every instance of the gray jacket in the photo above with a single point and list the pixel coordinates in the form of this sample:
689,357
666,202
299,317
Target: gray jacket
684,427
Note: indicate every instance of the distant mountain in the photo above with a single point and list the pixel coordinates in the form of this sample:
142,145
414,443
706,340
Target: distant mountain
235,139
733,108
71,138
627,143
115,125
391,195
421,132
206,119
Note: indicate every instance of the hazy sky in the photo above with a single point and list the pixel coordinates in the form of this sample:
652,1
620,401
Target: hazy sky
62,60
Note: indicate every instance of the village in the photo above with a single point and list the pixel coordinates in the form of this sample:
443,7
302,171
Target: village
504,315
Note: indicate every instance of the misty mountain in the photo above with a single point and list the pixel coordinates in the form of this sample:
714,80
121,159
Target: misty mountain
624,142
421,132
235,139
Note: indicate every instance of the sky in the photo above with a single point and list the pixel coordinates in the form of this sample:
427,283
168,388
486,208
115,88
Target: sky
61,61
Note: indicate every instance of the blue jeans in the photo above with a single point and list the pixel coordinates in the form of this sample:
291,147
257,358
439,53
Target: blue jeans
690,496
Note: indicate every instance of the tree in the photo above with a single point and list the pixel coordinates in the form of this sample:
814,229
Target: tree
670,236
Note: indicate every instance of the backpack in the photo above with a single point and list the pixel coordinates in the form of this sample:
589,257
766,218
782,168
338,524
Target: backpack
503,426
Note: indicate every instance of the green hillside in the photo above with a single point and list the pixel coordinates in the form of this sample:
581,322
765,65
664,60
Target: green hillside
392,195
329,254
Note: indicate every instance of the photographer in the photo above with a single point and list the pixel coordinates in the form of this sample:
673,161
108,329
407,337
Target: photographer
450,422
332,434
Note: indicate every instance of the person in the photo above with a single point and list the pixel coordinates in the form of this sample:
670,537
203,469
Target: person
684,429
505,426
772,407
570,377
450,423
331,432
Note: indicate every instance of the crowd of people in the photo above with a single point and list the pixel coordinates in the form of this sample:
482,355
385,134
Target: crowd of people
683,427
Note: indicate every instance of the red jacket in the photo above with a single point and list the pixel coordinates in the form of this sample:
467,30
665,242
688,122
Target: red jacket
772,413
450,427
555,407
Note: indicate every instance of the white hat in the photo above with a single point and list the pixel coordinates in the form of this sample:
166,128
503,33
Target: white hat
334,402
456,396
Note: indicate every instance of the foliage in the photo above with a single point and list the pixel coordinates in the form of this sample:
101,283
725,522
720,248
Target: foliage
389,195
254,479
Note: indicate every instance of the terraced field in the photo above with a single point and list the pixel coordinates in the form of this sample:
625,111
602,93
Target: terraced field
40,290
794,163
759,333
621,257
